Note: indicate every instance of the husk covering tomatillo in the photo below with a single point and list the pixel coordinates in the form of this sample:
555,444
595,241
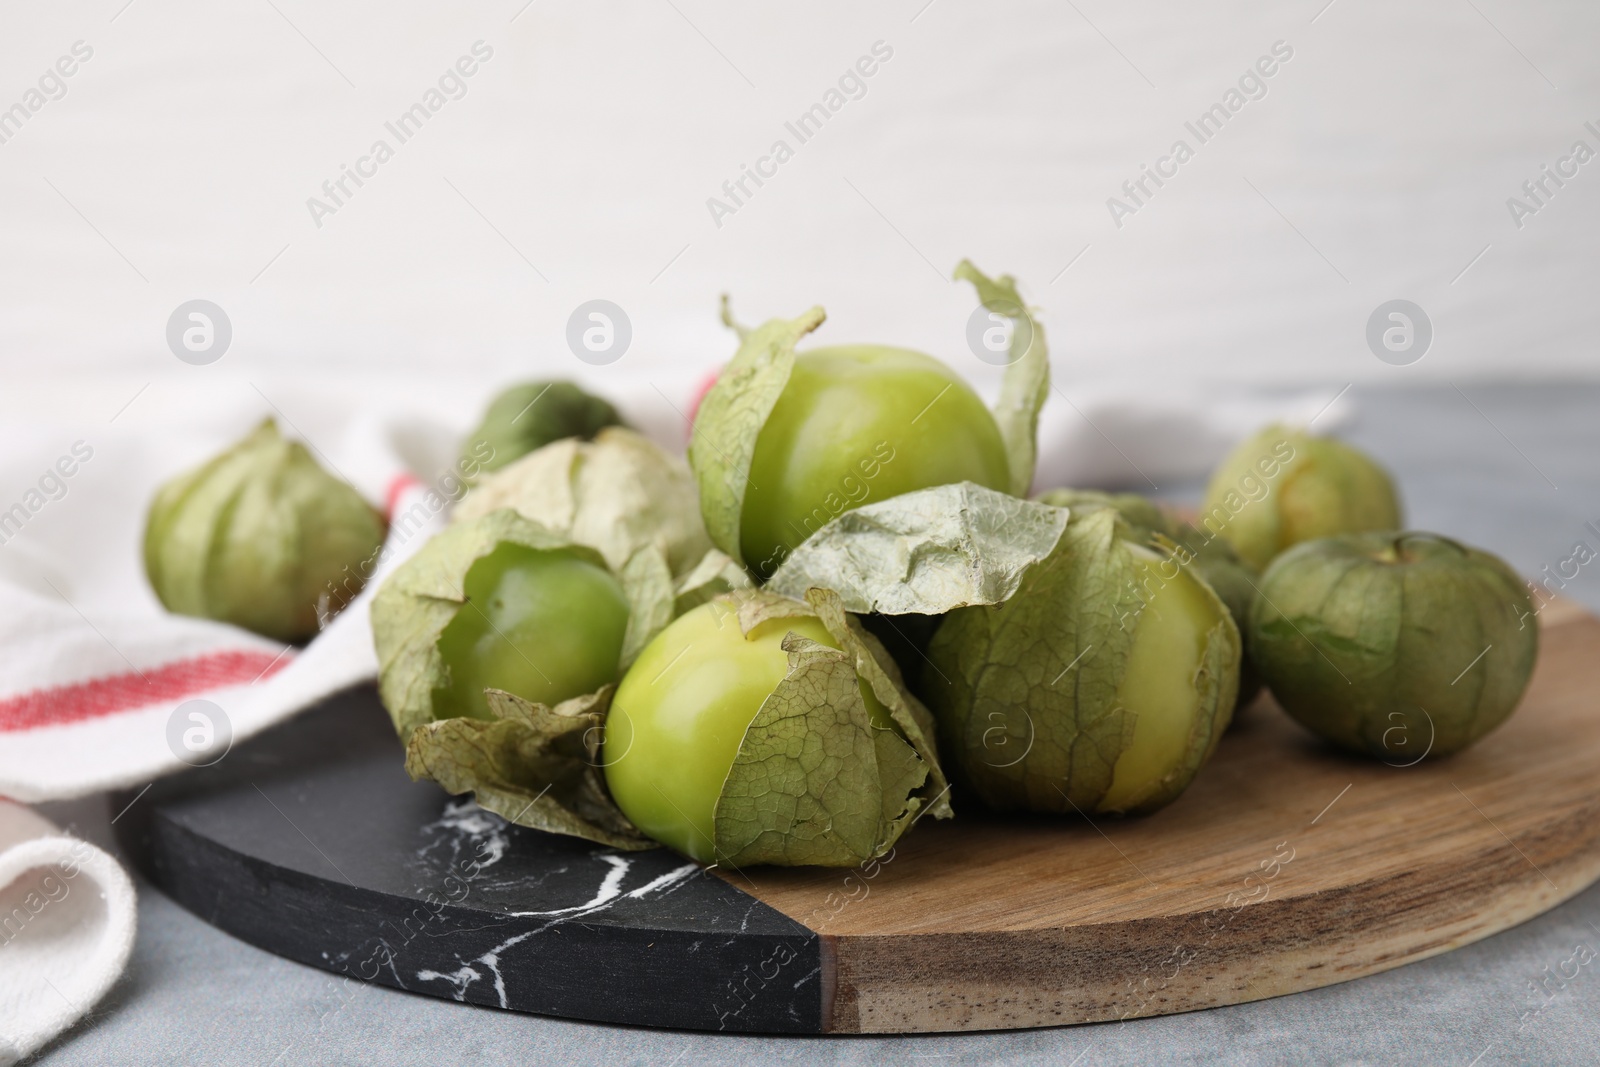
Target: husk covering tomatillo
617,494
1102,685
814,780
1213,558
1398,645
260,536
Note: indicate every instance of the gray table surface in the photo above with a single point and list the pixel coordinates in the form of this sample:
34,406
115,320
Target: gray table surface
1515,469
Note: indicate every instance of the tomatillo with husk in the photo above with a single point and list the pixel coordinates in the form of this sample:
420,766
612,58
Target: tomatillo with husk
1398,645
759,729
263,537
679,717
784,444
1284,486
1102,685
1211,557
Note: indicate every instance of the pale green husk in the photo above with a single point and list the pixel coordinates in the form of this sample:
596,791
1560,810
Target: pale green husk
814,783
1210,556
534,765
926,552
618,494
1026,383
262,537
731,416
1025,692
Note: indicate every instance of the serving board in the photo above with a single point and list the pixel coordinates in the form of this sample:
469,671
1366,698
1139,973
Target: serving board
1287,866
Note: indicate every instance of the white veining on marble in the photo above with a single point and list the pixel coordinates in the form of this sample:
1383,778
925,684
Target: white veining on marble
608,893
462,977
462,823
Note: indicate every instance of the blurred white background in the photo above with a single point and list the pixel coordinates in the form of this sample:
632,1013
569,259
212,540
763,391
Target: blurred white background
579,162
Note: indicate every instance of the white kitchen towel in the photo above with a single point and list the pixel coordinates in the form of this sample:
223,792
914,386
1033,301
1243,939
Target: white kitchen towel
100,688
66,929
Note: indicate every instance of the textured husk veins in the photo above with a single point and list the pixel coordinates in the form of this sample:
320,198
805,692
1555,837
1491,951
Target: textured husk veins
618,494
730,419
927,552
1394,644
874,664
806,786
1026,693
1026,383
814,781
419,599
1209,556
534,765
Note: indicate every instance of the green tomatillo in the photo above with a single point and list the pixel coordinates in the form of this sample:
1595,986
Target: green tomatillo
784,444
500,602
530,415
1102,685
262,537
1398,645
1284,486
544,624
855,424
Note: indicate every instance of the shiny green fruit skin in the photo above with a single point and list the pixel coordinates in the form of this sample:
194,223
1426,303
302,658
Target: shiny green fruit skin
260,536
1394,644
858,424
682,710
1283,487
544,624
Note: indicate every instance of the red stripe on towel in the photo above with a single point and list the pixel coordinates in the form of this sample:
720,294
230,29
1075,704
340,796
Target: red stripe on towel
99,697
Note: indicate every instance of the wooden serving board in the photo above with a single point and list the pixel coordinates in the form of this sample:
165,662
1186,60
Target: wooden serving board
1287,866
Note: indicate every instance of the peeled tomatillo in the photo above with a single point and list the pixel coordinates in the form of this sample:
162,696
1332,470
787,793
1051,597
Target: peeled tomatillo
860,423
544,624
682,710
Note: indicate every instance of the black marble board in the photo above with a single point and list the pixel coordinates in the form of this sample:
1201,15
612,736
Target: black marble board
310,841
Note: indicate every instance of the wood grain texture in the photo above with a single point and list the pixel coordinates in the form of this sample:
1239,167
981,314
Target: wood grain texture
986,924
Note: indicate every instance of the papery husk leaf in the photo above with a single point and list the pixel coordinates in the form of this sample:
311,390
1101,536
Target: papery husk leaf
730,419
617,494
926,552
1026,383
534,765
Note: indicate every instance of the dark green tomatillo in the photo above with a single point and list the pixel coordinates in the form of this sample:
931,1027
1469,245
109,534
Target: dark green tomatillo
530,415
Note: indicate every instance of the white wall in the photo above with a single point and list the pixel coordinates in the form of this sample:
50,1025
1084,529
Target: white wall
592,139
